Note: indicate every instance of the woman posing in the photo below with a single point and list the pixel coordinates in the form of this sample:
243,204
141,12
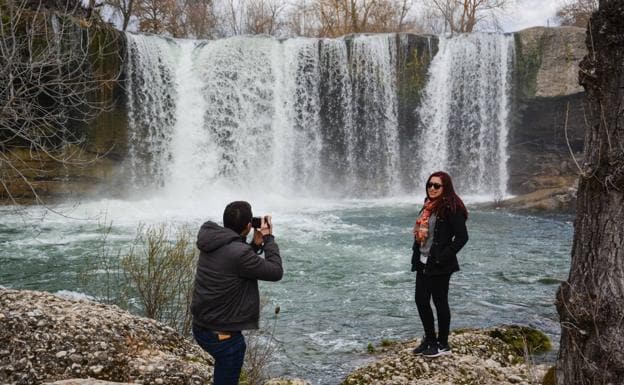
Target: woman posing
439,233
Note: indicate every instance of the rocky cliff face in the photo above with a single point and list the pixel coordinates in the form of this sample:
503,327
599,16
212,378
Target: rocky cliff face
549,103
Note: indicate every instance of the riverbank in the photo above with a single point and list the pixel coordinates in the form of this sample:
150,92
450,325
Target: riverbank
49,339
549,200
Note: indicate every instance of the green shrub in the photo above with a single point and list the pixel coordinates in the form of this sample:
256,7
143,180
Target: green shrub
160,268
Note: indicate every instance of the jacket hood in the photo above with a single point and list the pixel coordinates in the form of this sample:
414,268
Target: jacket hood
211,236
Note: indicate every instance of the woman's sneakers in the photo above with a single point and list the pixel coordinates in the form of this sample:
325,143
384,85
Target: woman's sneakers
444,349
437,349
420,349
432,349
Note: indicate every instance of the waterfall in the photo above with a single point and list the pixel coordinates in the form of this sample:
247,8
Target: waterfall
298,137
315,117
375,123
152,96
464,114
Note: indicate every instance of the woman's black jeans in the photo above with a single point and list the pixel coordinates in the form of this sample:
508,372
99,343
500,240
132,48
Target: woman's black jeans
228,354
436,287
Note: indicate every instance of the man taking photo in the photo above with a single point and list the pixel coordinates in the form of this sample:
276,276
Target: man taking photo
225,297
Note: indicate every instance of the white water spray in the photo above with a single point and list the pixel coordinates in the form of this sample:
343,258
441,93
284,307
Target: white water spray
464,113
315,117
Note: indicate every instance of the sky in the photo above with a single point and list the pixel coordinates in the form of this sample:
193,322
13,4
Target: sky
528,13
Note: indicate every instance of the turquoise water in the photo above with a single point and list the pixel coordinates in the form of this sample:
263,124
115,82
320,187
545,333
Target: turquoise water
347,281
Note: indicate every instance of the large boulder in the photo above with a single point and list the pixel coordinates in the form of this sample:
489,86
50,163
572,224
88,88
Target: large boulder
45,338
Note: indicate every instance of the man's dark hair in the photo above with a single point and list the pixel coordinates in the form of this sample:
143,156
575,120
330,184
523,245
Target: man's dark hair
237,215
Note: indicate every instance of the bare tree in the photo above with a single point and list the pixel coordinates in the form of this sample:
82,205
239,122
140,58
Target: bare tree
577,12
462,16
164,17
429,21
591,302
200,19
152,15
341,17
231,18
176,18
263,16
298,21
124,8
53,84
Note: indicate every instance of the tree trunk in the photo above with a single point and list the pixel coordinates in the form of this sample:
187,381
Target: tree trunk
591,302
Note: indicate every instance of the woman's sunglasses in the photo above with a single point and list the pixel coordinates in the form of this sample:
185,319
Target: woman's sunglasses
436,186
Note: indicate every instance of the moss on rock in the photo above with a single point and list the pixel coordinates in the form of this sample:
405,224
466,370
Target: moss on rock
528,61
523,339
550,378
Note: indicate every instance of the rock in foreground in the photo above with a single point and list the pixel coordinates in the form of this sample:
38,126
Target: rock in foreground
45,338
484,357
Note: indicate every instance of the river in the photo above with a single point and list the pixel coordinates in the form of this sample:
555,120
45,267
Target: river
347,279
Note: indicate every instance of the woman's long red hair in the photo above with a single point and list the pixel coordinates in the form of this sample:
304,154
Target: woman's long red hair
449,202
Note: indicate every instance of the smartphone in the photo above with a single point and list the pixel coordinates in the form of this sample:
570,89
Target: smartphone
256,222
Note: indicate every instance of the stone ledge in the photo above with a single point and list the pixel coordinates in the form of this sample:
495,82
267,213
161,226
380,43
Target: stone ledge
479,357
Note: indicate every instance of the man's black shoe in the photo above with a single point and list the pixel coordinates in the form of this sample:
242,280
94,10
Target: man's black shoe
420,349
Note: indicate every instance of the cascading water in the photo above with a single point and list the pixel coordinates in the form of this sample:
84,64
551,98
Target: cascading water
152,100
313,116
375,125
298,141
237,80
464,114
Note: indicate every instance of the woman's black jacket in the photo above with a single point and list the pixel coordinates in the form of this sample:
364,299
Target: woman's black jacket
449,236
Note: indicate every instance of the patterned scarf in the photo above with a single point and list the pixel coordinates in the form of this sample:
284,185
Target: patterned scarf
421,229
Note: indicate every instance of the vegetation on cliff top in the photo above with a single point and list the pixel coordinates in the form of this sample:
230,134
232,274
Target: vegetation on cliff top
59,71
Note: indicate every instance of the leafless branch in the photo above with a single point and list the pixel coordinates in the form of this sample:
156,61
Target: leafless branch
54,84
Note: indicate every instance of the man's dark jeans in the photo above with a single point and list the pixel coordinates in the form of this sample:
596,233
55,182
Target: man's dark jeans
228,354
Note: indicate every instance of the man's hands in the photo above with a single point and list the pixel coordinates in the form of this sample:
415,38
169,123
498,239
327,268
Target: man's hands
266,228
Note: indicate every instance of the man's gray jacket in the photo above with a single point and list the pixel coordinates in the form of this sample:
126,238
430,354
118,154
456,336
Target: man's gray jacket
225,296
